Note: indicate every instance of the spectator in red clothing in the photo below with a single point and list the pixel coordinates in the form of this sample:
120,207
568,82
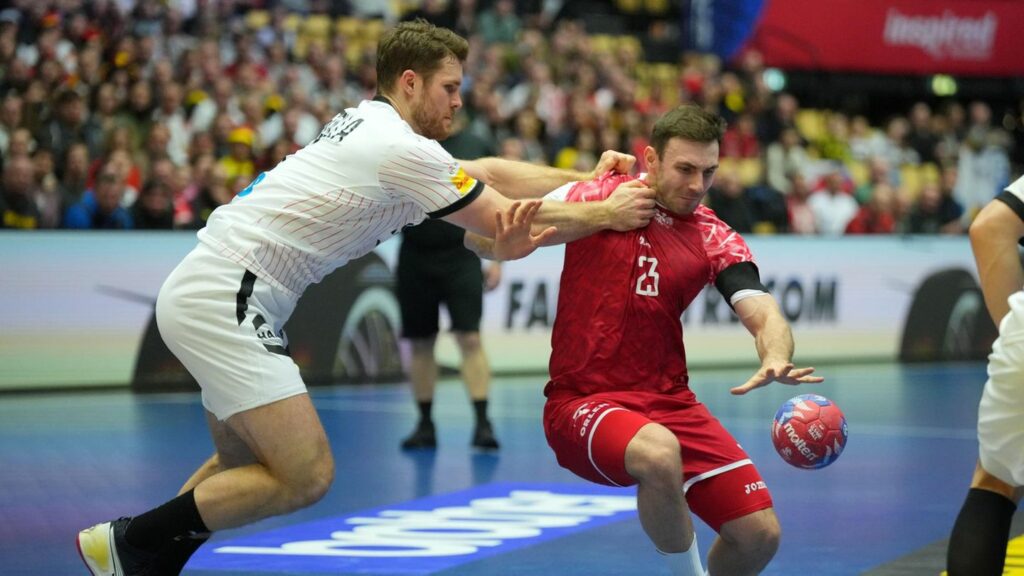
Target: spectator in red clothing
120,160
878,215
740,139
119,143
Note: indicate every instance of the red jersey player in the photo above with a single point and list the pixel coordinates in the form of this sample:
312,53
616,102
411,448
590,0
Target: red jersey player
620,410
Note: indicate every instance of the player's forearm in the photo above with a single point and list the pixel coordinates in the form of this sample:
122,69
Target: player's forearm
519,180
774,341
574,220
994,240
482,246
761,316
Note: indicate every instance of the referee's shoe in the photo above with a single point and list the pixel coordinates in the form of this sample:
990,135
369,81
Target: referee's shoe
106,553
483,437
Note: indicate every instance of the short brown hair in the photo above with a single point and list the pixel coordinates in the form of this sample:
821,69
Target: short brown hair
688,122
418,46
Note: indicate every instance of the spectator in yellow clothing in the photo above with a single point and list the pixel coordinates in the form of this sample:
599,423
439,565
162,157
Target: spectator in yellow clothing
239,161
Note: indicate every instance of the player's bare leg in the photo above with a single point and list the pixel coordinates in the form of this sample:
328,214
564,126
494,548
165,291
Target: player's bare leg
745,545
652,457
476,373
231,452
294,466
423,377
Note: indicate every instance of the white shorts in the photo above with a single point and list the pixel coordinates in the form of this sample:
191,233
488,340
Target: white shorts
1001,412
225,325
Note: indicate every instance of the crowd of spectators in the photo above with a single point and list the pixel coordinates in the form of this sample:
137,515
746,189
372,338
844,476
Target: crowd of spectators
119,114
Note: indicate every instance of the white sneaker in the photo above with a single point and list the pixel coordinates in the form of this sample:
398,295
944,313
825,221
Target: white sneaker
105,552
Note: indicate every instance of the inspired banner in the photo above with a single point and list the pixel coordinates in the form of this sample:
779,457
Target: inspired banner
965,37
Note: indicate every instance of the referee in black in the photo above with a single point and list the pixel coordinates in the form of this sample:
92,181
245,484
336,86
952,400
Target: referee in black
434,268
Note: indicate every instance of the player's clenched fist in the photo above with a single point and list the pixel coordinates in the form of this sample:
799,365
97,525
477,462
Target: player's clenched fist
632,205
614,161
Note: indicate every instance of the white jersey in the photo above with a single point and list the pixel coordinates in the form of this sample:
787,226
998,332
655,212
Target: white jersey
1001,411
365,177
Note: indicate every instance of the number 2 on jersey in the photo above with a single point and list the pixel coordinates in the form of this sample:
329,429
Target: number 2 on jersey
647,283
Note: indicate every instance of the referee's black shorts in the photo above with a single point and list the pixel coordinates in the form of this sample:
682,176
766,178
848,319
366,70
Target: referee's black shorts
429,278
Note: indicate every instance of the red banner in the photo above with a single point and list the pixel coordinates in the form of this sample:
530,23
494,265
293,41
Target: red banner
962,37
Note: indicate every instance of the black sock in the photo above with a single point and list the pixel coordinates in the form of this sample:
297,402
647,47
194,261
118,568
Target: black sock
977,546
480,408
171,559
176,517
425,408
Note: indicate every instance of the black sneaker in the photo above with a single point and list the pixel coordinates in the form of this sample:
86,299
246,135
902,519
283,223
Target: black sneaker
483,437
423,437
106,553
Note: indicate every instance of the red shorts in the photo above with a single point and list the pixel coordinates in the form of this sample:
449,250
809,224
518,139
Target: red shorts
589,435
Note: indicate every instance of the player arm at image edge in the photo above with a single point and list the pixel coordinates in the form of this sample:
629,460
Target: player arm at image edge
995,237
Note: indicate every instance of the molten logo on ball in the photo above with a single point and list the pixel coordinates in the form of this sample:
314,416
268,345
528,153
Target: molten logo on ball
809,431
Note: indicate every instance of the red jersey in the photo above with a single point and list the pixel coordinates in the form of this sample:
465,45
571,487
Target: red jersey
622,295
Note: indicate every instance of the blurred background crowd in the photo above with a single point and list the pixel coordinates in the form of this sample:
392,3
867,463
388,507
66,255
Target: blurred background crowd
120,114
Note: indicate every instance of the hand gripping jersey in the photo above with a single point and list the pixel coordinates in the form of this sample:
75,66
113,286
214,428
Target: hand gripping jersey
622,294
365,177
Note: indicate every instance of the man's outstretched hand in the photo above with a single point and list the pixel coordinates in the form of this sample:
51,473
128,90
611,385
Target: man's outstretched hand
778,371
513,237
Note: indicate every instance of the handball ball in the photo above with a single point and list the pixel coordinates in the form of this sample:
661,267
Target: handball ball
809,431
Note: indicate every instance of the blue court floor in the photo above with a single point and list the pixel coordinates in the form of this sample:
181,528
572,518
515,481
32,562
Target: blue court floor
70,460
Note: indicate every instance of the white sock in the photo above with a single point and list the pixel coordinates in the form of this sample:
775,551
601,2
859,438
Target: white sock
685,563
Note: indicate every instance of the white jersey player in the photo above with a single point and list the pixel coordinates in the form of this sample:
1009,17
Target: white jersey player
978,543
373,170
